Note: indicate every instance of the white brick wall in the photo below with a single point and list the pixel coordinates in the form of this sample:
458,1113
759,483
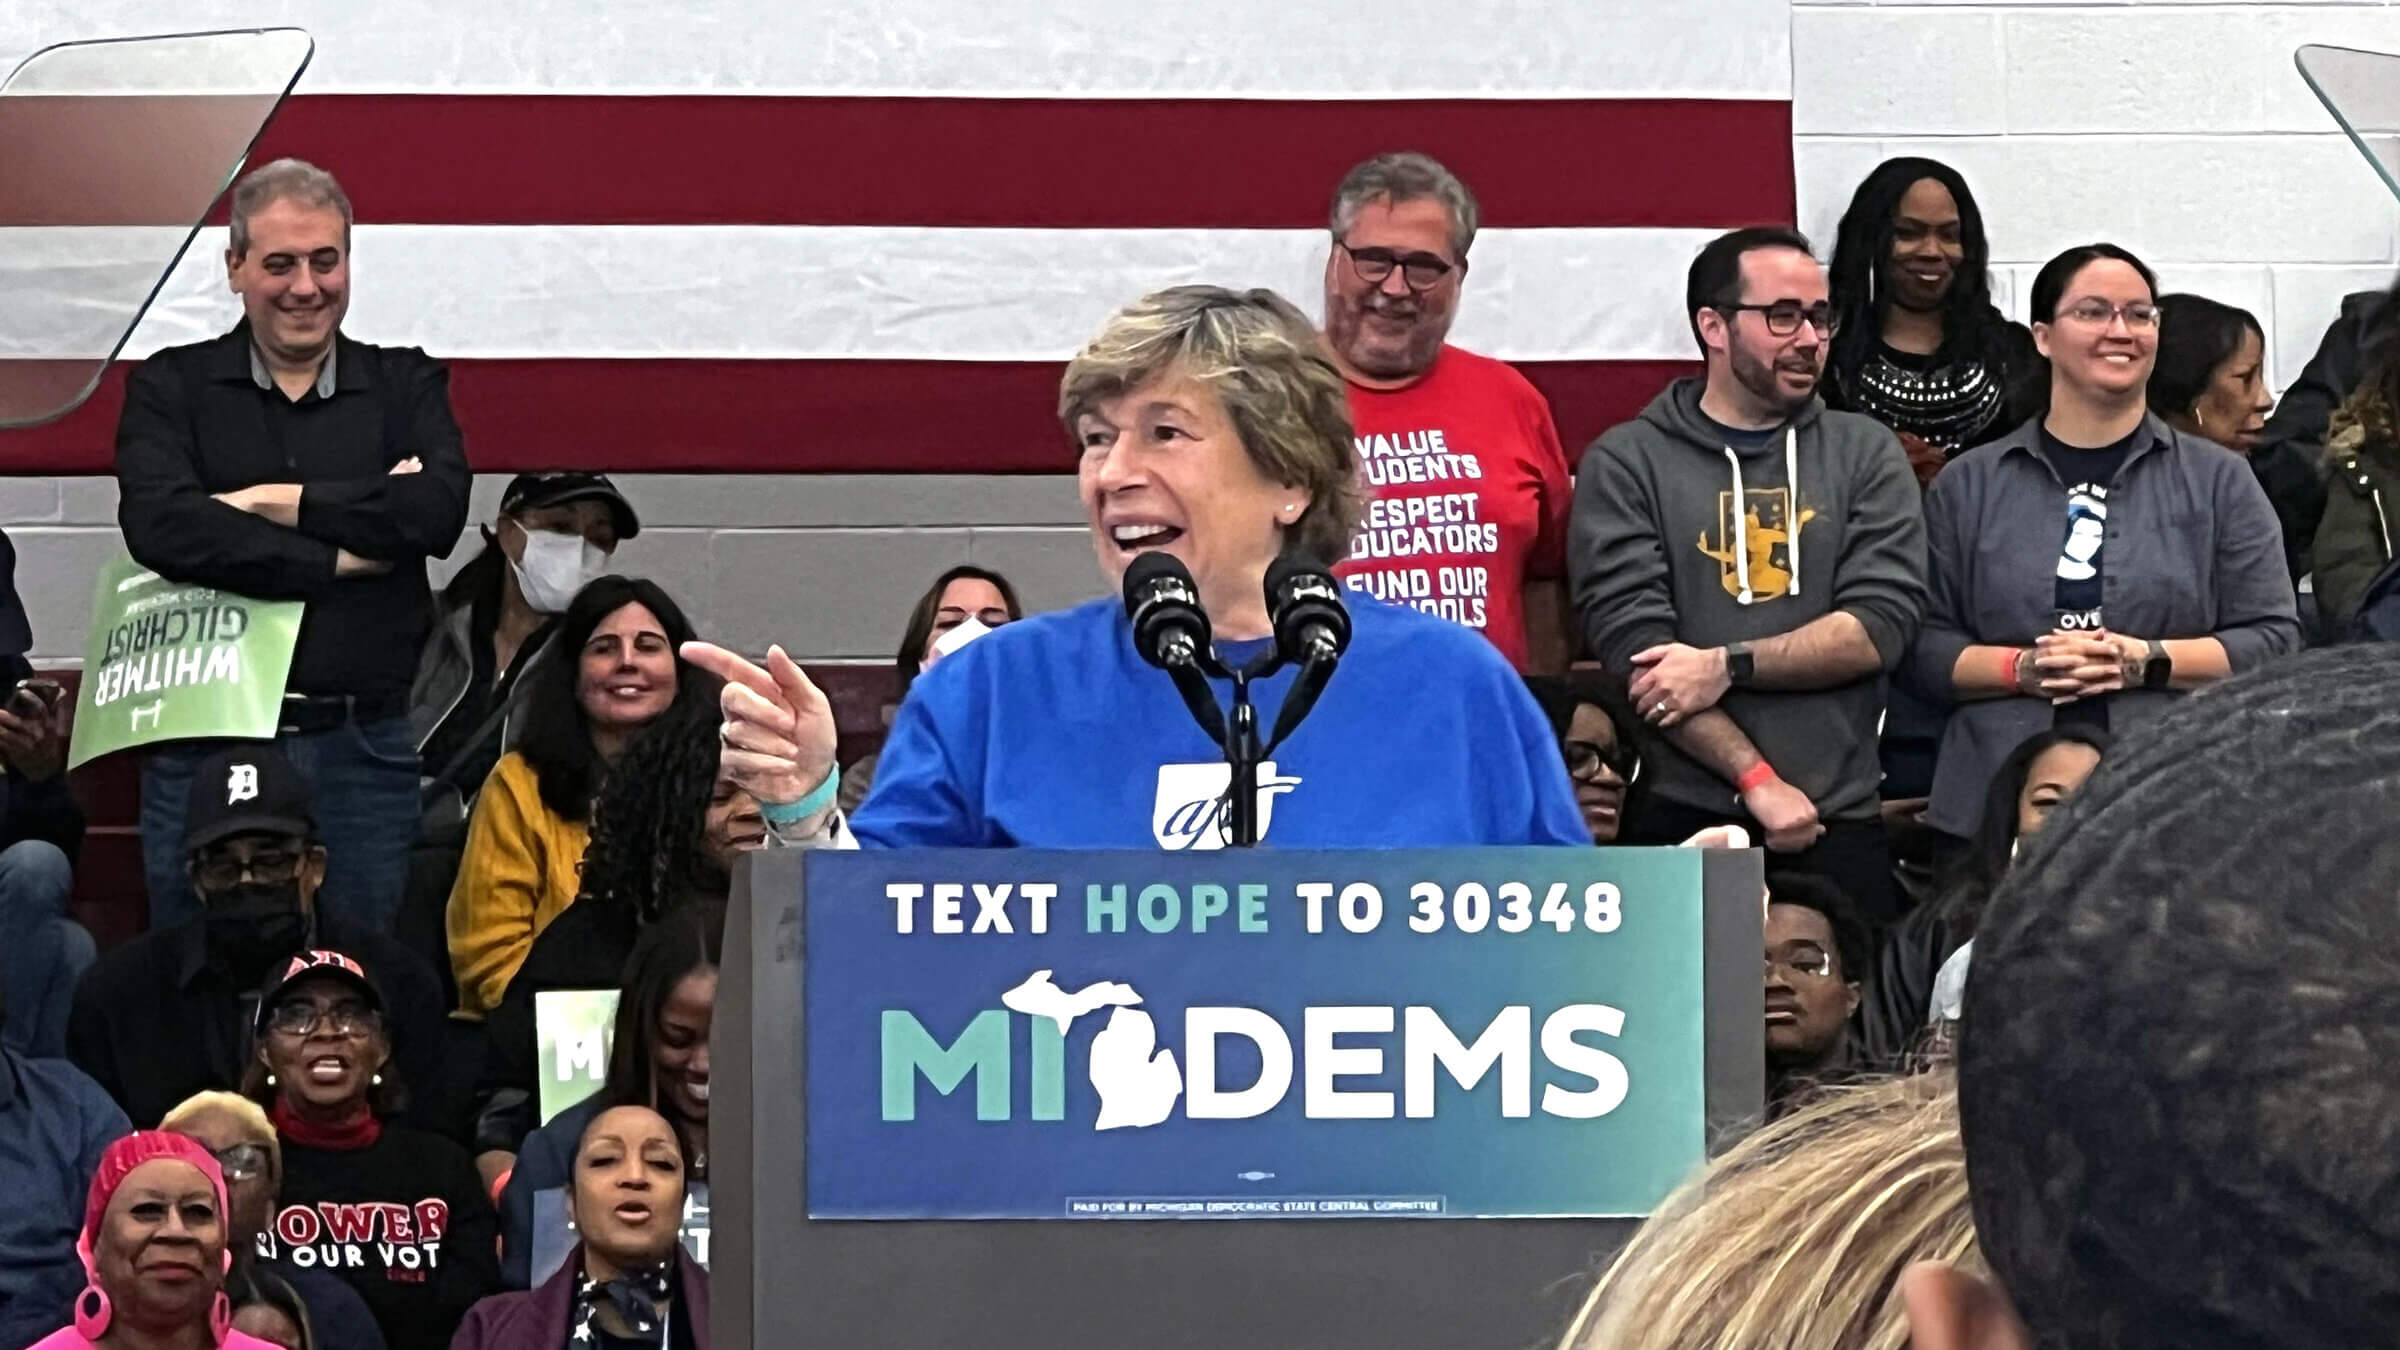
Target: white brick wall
827,566
2182,131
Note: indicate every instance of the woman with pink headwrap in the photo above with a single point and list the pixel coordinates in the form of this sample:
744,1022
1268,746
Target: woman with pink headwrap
153,1250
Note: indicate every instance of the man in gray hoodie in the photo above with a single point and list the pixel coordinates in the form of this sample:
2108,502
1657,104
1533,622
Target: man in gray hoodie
1754,566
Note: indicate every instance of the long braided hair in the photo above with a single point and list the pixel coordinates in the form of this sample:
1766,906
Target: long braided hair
646,851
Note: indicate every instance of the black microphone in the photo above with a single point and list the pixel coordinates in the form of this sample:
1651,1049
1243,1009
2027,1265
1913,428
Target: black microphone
1171,631
1305,604
1169,627
1312,630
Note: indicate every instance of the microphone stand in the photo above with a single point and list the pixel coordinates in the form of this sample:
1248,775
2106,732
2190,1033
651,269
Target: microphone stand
1242,754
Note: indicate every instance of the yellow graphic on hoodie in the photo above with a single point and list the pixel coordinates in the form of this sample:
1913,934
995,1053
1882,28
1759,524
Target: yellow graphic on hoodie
1762,535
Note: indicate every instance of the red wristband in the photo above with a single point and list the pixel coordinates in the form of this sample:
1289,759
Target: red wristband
1757,775
2009,656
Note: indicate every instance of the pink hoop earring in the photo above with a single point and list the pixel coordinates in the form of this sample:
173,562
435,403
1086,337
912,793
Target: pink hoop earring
92,1313
220,1319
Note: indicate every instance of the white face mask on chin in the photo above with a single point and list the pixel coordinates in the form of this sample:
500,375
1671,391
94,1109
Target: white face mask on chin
555,567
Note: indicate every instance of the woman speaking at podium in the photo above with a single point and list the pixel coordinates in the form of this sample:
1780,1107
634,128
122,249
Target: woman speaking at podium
1211,428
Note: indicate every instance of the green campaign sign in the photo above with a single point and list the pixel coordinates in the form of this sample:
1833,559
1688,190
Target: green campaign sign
170,661
572,1030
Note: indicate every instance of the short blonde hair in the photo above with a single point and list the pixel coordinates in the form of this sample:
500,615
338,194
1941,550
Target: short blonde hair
244,1112
1262,359
1797,1237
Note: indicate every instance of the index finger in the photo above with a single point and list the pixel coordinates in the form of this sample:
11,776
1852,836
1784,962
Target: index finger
732,668
798,690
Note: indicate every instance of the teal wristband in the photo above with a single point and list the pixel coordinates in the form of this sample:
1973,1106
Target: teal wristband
792,813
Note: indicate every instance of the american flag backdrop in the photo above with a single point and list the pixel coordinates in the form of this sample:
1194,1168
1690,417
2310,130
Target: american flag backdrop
749,236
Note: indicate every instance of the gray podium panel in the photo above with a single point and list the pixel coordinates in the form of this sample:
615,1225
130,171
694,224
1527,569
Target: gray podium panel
785,1282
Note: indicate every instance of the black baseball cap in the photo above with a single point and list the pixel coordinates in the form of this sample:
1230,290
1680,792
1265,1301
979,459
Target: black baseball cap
249,788
531,491
315,965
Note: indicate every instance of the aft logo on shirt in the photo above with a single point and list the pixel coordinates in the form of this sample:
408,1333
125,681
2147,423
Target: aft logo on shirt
1189,814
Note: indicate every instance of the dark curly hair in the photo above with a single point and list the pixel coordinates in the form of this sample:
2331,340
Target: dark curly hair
646,844
558,736
2176,1078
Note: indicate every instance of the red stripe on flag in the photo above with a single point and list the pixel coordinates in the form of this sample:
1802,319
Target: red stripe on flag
671,416
1036,163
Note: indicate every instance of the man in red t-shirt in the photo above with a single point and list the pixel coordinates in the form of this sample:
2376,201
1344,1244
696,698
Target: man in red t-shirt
1470,488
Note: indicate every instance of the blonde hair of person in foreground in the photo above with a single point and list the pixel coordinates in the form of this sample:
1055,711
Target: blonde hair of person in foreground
1796,1239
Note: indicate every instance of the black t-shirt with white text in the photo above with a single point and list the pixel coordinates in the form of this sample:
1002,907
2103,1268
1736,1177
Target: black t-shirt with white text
404,1220
2087,473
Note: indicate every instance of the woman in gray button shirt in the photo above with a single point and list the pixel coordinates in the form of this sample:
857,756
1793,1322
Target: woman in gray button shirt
2094,563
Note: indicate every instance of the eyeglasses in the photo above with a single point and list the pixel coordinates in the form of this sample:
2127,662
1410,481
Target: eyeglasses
1805,959
1585,760
342,1019
223,871
1784,316
2139,315
240,1162
1421,271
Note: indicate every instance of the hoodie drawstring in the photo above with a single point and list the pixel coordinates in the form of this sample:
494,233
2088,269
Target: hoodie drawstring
1791,524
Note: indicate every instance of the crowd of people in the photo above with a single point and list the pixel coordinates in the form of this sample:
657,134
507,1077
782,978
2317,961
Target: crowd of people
1880,587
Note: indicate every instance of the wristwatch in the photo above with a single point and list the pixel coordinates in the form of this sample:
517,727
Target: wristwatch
1740,666
2159,668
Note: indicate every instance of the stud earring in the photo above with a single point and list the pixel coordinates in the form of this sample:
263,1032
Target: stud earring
376,1081
270,1079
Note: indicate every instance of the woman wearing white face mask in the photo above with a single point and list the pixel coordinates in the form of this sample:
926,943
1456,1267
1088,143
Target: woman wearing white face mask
493,622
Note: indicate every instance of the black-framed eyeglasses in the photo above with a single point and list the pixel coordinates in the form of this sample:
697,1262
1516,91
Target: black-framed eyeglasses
223,871
342,1019
1785,316
241,1162
1585,760
1420,271
1803,959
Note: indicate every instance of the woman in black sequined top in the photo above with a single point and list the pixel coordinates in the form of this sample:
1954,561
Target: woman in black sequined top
1921,348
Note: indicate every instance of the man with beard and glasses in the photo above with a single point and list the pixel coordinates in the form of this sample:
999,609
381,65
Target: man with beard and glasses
1470,488
287,461
169,1013
1754,565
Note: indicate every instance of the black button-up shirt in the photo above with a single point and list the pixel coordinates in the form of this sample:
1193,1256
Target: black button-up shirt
196,423
155,1021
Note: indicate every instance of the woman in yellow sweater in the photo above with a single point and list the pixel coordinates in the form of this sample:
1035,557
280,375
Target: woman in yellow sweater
524,850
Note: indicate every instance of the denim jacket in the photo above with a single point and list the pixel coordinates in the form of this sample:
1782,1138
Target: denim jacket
2194,550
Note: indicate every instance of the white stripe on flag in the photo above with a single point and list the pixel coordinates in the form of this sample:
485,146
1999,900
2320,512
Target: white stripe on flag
1056,49
820,292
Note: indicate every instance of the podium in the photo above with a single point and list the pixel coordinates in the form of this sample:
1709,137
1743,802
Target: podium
1375,1098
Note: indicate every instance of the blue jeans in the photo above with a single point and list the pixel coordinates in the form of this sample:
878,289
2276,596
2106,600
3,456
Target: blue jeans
364,775
42,951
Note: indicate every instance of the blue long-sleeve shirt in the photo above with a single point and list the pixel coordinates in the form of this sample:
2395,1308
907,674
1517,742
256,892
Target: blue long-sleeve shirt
1053,733
54,1124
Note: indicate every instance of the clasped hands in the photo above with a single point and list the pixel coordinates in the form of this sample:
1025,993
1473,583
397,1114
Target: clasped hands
2065,665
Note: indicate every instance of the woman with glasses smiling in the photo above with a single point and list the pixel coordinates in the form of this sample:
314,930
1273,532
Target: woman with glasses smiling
1599,736
240,1137
398,1212
2094,564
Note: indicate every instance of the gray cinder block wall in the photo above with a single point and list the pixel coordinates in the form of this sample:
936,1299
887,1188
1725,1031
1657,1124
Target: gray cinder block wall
827,566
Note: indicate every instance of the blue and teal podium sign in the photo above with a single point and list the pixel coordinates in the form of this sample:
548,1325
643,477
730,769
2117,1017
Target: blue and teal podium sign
1491,1033
940,1074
